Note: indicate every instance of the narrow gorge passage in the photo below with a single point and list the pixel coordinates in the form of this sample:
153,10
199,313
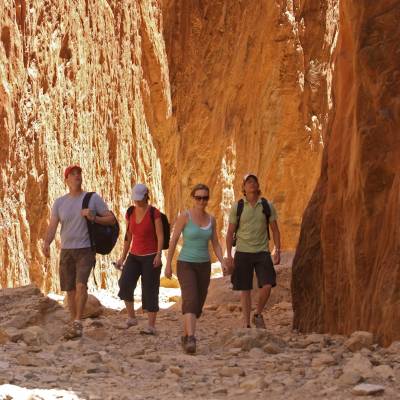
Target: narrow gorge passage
112,362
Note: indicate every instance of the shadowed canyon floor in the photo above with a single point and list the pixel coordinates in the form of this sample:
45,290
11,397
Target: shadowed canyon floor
111,362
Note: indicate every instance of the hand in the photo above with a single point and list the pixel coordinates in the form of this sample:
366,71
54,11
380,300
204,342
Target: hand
119,264
229,265
276,257
157,260
168,271
224,267
46,249
88,213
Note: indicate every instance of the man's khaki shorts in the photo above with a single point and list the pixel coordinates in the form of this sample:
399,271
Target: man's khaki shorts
75,267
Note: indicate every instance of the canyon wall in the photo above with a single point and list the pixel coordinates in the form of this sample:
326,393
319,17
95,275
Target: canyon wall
80,82
346,272
241,95
171,93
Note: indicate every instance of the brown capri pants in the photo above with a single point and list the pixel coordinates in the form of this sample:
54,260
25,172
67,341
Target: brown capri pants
194,279
75,267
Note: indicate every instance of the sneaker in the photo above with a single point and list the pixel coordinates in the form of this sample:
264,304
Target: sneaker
258,321
131,322
149,330
190,347
74,331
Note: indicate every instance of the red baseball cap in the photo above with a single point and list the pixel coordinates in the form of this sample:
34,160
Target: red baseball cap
70,168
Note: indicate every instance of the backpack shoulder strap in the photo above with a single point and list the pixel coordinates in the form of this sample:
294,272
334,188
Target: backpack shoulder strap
239,211
129,211
85,204
266,207
267,212
86,199
152,211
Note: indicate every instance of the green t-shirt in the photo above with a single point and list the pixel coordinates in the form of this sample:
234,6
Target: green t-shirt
252,236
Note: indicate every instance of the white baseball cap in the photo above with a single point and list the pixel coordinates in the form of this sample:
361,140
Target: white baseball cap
139,192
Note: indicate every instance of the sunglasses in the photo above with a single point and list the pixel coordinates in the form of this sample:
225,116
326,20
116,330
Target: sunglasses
205,198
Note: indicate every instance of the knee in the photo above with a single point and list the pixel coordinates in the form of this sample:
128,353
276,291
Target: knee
81,288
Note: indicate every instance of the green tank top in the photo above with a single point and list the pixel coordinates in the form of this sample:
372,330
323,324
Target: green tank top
195,242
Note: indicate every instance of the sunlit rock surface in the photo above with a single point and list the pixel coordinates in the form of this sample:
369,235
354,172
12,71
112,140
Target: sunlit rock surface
83,83
346,273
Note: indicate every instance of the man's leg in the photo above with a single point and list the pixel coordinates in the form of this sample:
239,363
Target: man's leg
263,296
242,279
266,276
72,303
245,299
80,299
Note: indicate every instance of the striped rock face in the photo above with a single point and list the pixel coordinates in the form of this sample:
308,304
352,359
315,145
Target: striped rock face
347,266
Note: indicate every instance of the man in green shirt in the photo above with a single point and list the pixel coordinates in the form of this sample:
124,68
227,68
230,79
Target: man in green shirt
252,250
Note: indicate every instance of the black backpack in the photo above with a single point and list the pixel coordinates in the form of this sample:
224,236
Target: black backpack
102,237
239,210
164,220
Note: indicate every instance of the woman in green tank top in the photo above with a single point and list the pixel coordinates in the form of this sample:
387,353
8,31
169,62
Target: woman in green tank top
194,266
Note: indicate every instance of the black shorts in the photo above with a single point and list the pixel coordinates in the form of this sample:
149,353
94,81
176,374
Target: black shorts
245,265
134,267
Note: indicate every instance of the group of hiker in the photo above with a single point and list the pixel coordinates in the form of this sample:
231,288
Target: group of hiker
250,221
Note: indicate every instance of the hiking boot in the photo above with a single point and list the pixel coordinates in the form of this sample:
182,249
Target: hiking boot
131,322
183,342
190,347
258,321
74,331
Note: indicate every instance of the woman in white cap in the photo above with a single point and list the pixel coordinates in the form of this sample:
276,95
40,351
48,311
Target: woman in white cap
141,257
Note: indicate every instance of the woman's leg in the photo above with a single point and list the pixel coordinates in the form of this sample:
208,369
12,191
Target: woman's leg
127,283
150,289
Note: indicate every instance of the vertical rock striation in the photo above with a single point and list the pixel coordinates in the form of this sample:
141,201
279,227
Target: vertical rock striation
79,82
238,79
346,273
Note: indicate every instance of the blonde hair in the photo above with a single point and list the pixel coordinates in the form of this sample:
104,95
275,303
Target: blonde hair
199,186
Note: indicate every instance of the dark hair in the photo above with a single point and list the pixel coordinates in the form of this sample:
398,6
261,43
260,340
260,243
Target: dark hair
258,183
199,186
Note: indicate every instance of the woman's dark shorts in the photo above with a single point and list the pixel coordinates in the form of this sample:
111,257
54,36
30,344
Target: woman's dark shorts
194,279
134,267
75,267
245,265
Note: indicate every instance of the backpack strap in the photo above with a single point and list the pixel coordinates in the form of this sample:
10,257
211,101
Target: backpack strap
129,212
239,210
267,212
85,204
153,220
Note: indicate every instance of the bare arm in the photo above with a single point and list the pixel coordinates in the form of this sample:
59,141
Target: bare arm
50,234
277,241
160,241
105,218
127,245
229,239
215,243
178,228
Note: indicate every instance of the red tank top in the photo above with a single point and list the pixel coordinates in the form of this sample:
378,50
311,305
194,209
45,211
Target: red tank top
144,238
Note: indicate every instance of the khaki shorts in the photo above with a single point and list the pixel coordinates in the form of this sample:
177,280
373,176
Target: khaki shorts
75,267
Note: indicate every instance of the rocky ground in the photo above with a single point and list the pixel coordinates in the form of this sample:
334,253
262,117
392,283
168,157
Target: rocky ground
111,362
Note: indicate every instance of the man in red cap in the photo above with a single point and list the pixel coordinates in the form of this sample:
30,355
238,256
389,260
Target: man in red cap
77,257
249,224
